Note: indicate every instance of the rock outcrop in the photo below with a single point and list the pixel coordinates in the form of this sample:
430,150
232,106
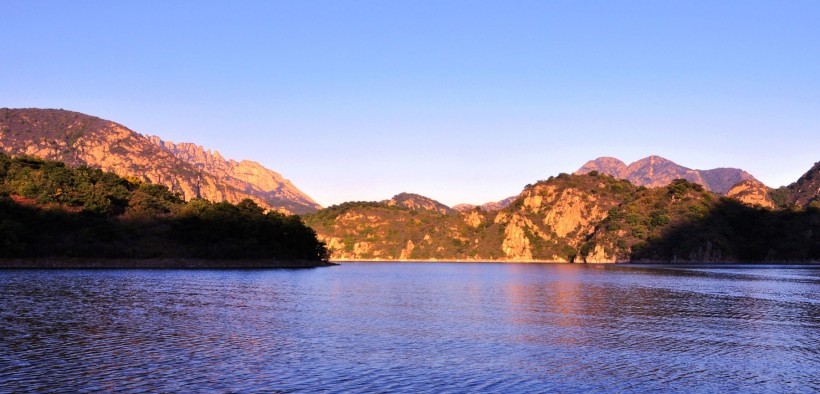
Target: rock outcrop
656,171
752,192
79,139
247,176
548,221
807,189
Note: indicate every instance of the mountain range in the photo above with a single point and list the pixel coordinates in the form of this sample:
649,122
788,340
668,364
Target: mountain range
591,218
607,211
187,169
656,171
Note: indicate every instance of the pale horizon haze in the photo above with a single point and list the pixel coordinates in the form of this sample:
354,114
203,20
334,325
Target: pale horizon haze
460,101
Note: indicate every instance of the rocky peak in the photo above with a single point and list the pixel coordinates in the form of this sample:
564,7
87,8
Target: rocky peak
605,165
418,202
751,192
248,176
656,171
187,169
807,188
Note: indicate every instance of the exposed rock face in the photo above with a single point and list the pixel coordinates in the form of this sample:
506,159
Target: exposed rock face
578,218
416,202
655,171
548,221
751,192
247,176
807,189
79,139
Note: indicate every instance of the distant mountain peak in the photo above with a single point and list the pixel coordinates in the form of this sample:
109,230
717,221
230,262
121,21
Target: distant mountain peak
490,206
418,202
657,171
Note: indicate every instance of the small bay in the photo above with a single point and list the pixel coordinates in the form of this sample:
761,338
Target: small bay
413,327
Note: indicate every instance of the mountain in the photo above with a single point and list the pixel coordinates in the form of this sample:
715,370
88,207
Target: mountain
605,165
807,189
548,221
247,176
490,206
417,202
752,192
79,139
49,211
578,218
464,207
656,171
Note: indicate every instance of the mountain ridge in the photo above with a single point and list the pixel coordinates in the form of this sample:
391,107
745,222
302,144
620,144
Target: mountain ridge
80,139
585,218
657,171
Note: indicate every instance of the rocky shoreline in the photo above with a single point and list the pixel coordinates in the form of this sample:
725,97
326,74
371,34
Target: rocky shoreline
158,263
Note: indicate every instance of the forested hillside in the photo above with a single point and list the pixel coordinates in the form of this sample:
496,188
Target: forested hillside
576,218
48,209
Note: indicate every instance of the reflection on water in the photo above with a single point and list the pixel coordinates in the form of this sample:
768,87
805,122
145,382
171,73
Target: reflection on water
413,327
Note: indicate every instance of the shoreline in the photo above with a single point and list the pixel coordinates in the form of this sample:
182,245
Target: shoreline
636,262
156,263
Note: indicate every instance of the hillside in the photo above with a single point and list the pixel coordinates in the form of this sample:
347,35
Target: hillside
548,221
656,171
806,190
78,139
49,210
753,193
578,218
246,176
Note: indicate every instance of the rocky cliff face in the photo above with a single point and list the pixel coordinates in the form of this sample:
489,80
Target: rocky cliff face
807,189
578,218
246,176
79,139
548,221
752,192
656,171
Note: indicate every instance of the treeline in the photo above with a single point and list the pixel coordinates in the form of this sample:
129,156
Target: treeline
50,210
682,221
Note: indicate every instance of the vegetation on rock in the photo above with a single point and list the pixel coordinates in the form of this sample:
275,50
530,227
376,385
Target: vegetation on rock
577,218
78,139
48,209
656,171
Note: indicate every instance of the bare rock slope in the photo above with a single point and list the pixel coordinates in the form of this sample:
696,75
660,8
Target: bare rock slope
79,139
752,192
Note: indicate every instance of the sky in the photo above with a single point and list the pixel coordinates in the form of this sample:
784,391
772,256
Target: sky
460,101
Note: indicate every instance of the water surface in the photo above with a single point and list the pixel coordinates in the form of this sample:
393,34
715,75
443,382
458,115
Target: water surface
410,327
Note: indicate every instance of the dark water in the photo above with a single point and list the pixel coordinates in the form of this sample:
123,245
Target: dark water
413,328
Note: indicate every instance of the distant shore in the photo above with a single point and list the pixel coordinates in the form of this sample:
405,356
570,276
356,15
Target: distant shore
157,263
636,262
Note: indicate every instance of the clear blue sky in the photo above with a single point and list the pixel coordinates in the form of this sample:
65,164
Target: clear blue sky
462,101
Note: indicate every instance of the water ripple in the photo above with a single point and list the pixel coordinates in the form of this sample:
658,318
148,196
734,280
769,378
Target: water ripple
413,328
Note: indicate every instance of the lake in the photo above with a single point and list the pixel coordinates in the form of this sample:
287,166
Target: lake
413,327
